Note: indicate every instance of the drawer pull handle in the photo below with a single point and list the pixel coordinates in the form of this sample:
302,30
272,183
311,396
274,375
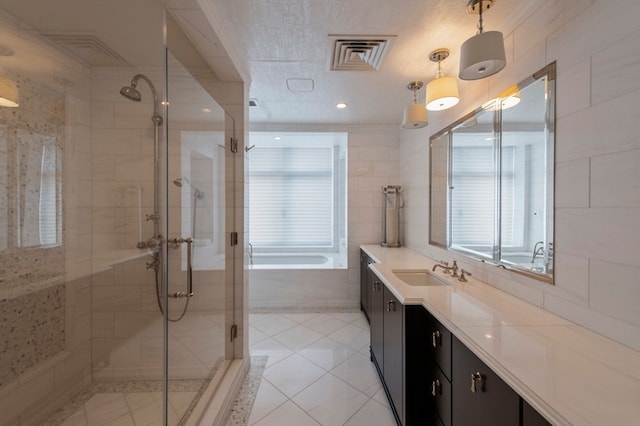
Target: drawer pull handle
391,303
376,285
435,338
435,387
476,377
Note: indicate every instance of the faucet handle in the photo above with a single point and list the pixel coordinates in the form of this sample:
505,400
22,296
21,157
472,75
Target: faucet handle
463,278
454,269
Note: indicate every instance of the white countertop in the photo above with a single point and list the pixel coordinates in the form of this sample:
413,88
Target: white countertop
571,375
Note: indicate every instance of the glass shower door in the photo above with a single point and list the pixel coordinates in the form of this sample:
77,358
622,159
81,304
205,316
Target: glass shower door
196,267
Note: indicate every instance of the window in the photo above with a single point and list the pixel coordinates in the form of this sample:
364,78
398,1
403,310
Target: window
297,188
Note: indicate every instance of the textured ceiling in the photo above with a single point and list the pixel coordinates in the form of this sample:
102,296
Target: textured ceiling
285,39
281,41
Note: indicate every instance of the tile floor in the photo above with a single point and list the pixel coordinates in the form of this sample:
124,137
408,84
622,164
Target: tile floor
318,371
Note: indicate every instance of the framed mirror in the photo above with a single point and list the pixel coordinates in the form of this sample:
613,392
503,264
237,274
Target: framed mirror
491,180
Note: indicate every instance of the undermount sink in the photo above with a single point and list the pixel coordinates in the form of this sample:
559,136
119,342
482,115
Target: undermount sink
418,277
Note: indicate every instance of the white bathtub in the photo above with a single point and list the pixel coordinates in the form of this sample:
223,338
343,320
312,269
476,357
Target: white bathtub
297,261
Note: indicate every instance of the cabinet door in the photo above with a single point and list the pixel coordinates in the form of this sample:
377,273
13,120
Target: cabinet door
530,417
376,317
365,295
439,345
439,395
480,397
394,350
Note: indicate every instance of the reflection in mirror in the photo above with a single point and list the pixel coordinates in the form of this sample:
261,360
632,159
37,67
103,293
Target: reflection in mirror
491,189
473,182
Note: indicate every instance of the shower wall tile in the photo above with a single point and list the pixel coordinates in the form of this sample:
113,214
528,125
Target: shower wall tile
33,330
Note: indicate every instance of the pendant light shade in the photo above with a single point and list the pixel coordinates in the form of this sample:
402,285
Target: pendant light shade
415,115
442,93
8,93
483,54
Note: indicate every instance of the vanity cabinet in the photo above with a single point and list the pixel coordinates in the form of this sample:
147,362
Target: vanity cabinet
530,417
376,320
387,343
428,367
393,348
365,284
479,396
430,377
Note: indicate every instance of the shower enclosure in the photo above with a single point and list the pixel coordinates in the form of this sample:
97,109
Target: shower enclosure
117,282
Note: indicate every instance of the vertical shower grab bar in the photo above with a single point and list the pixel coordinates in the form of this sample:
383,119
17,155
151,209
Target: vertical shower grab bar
189,241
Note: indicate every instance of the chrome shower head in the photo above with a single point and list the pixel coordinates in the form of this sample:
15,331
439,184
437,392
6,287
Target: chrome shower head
181,181
131,93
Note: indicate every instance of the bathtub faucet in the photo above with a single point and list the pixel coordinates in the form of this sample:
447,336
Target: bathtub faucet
538,250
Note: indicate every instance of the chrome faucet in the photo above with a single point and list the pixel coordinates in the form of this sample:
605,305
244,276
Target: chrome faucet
454,269
444,265
538,250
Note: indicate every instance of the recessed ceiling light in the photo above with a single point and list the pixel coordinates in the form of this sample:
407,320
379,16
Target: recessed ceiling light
341,105
277,138
206,110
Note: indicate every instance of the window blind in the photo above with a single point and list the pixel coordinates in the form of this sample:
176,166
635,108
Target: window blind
292,197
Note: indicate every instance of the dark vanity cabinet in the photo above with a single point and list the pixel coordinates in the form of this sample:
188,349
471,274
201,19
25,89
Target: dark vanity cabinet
393,348
376,320
428,366
429,376
365,284
484,397
530,417
387,343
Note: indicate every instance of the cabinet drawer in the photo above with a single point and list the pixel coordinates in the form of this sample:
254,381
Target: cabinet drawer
438,340
479,396
439,396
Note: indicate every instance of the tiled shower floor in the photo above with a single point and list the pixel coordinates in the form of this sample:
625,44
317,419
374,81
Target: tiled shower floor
130,403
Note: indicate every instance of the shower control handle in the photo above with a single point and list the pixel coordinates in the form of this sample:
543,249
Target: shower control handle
175,242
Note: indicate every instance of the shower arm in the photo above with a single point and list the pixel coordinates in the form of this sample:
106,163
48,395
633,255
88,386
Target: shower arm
156,118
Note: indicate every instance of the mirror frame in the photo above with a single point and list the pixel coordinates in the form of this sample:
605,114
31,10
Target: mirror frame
549,73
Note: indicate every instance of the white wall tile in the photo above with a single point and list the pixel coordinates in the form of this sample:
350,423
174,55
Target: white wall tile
572,184
571,276
615,290
615,180
615,69
604,234
573,89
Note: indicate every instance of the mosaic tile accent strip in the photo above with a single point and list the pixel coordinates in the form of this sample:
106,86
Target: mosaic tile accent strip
129,387
241,409
32,329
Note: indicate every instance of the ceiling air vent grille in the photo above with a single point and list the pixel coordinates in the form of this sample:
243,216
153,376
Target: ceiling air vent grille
359,53
88,47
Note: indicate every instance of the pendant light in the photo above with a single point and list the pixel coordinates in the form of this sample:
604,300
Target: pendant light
415,115
442,93
483,54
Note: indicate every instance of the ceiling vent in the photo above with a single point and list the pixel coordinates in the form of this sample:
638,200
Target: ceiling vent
359,53
87,47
